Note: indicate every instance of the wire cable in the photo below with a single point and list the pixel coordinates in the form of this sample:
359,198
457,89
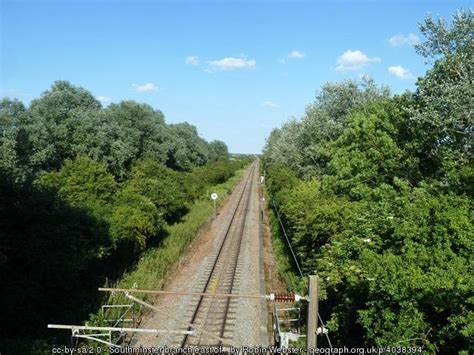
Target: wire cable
327,335
297,264
287,239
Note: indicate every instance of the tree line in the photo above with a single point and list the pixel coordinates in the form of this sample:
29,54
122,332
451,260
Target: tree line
376,192
67,121
84,190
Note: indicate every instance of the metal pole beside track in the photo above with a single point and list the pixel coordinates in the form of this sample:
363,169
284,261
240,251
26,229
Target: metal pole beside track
113,329
311,336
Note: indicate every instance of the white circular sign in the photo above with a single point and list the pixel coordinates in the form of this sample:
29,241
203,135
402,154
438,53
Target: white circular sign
214,196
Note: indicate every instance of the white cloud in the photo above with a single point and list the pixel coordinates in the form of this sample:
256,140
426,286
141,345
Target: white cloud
400,40
192,60
354,60
281,61
231,63
270,104
104,99
400,72
148,87
296,54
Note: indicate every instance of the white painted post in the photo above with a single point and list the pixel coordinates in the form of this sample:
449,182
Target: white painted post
214,198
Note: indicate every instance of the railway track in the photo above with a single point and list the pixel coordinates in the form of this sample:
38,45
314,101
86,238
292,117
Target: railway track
215,314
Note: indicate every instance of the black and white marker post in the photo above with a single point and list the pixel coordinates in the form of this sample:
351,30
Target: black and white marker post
214,198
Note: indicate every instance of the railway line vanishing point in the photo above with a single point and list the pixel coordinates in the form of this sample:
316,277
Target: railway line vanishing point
226,260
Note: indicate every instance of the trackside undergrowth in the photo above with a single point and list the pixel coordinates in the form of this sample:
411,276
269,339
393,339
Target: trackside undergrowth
158,263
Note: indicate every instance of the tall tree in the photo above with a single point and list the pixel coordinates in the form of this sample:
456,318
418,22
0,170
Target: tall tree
187,148
54,119
442,116
15,146
301,143
218,151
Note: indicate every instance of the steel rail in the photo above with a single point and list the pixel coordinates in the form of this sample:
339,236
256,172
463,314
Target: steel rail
234,269
218,256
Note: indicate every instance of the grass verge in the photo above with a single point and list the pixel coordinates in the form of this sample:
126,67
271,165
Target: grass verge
158,263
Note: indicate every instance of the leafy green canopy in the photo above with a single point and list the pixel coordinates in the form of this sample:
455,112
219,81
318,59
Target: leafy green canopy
377,200
442,111
84,191
161,185
67,121
302,144
15,147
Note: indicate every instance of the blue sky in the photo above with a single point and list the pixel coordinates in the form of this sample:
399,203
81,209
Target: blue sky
235,69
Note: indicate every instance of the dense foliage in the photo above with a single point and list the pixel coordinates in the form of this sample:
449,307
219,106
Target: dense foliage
84,191
376,193
67,121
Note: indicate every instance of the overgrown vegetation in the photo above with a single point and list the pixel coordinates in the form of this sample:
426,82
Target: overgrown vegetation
376,193
155,264
85,191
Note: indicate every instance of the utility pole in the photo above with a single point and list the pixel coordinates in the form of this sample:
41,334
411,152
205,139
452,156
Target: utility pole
312,326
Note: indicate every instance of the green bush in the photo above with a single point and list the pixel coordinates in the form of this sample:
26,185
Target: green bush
161,185
378,202
157,263
196,181
135,219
